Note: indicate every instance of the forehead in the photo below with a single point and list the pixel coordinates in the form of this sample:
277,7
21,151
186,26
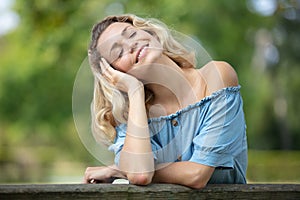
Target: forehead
112,31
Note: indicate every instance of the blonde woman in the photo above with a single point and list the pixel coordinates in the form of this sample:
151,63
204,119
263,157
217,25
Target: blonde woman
166,119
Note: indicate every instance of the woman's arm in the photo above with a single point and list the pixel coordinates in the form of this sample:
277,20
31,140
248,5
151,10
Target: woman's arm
136,157
186,173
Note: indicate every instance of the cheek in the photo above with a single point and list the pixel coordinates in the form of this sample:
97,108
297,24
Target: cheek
123,65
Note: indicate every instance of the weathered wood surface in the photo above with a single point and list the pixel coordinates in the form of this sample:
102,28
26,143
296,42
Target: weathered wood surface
154,191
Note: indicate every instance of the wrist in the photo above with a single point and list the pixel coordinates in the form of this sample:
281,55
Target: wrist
136,89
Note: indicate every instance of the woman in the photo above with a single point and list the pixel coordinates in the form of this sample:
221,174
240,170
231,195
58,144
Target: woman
166,121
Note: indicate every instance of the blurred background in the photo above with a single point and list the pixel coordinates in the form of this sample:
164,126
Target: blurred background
43,43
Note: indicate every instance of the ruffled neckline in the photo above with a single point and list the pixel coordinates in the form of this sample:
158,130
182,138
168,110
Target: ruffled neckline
197,104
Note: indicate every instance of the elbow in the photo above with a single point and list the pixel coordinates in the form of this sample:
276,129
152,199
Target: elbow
140,178
198,181
198,185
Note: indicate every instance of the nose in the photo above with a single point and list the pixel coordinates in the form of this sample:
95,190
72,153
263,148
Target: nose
131,45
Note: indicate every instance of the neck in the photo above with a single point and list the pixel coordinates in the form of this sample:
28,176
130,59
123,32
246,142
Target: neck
170,84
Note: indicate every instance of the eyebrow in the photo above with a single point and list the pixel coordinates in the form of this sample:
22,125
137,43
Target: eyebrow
124,30
115,45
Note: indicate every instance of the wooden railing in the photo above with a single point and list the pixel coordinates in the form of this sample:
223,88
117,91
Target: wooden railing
154,191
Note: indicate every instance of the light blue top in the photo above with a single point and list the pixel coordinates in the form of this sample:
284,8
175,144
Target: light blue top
211,132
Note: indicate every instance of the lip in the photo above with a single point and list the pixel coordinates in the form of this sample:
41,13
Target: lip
137,59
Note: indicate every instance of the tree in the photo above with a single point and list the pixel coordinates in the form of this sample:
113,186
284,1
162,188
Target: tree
39,61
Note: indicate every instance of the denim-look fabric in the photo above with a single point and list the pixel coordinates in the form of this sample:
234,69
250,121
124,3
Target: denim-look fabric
211,132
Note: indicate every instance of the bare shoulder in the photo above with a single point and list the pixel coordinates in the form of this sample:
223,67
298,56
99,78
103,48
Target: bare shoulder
218,75
227,73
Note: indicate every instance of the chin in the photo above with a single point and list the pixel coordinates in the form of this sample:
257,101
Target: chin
153,57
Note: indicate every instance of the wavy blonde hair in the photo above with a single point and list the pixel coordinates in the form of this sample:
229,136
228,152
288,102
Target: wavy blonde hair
110,106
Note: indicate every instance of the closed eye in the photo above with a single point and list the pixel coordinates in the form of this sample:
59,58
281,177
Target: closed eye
132,34
121,53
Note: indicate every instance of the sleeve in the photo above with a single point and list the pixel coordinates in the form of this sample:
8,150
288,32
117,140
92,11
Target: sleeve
117,146
221,134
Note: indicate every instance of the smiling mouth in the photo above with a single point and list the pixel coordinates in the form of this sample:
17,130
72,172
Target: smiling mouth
140,53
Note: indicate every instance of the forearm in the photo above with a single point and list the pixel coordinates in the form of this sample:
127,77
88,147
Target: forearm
136,157
184,173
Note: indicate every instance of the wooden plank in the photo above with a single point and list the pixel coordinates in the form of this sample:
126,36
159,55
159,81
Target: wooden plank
154,191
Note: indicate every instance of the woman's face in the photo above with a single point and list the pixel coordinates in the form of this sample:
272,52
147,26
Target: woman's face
126,47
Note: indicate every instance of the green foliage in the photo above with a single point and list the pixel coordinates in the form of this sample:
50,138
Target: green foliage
39,61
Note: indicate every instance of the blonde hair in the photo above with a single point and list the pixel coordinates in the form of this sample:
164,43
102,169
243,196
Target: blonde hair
110,106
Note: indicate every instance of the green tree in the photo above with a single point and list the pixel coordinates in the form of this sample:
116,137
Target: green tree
39,61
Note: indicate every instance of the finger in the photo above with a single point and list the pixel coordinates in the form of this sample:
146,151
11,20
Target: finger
109,67
105,64
90,181
88,174
85,180
105,69
94,175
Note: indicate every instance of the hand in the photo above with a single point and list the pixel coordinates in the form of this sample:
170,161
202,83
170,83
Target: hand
104,174
122,81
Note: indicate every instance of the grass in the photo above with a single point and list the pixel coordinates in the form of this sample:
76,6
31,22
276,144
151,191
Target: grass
273,166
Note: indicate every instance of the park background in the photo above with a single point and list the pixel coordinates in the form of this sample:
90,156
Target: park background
43,43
